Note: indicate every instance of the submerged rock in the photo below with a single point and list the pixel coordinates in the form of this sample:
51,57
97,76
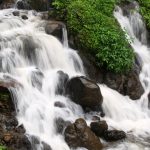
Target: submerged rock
85,92
79,134
114,135
24,17
62,80
37,78
16,13
59,104
61,124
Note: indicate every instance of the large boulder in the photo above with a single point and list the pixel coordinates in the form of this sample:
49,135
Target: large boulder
85,92
125,83
79,134
55,28
128,84
133,86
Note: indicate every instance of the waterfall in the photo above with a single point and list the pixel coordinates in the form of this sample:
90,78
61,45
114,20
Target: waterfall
32,58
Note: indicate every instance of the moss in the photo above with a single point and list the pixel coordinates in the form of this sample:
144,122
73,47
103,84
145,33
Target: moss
145,11
97,31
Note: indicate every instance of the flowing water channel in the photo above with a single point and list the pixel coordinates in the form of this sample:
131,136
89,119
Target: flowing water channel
32,58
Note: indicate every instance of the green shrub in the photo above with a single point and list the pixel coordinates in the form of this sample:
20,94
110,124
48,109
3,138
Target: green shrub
3,148
145,11
97,31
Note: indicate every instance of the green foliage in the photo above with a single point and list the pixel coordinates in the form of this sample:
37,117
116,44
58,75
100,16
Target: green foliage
145,10
97,31
3,148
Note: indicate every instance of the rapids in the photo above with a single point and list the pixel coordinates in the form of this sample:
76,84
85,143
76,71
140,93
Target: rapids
26,50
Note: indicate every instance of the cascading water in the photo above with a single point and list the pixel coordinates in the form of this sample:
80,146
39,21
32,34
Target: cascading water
32,58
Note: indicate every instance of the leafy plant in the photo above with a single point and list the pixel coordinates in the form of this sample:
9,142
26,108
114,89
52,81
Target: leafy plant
96,30
145,10
3,148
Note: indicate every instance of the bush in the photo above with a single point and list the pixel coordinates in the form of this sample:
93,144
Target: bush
97,31
3,148
145,11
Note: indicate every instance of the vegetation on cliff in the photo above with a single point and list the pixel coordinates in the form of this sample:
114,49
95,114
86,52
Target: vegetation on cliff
145,11
3,148
96,30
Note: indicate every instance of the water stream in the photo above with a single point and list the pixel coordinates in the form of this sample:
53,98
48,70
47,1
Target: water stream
32,58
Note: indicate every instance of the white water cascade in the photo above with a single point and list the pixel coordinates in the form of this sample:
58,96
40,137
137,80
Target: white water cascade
28,54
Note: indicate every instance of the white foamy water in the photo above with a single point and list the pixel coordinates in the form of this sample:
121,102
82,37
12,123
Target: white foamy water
32,58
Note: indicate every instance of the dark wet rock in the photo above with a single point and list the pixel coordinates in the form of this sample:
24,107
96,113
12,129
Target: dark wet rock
61,124
59,104
114,135
29,49
24,17
85,92
16,13
55,28
62,80
23,4
11,123
37,78
149,100
40,5
18,142
4,4
92,71
99,127
8,82
46,146
128,84
79,134
11,135
127,7
133,86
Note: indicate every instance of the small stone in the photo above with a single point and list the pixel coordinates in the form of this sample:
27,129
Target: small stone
7,137
59,104
16,13
24,17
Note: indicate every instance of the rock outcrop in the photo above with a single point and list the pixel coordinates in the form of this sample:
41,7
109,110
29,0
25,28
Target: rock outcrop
55,28
79,134
4,4
11,135
85,93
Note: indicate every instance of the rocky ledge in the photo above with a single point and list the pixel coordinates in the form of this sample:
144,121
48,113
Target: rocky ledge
12,135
